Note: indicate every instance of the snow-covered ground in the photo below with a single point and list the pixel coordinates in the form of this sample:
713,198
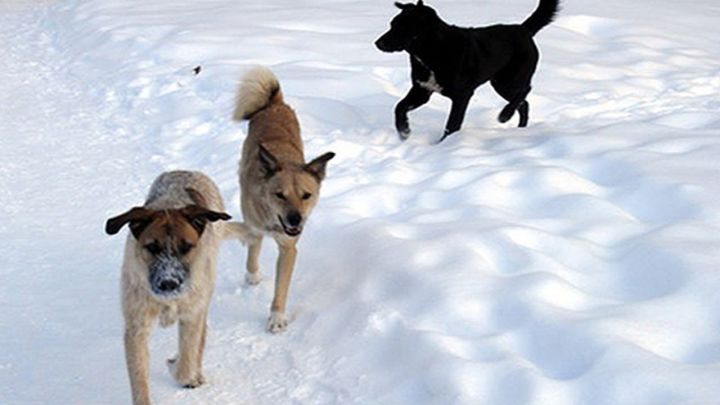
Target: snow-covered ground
576,261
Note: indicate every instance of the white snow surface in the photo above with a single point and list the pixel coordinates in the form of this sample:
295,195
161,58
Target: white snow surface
576,261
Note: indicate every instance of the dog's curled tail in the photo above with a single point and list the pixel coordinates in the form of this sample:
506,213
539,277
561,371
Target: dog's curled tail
258,89
236,230
542,16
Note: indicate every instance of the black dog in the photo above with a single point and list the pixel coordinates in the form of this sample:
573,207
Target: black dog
455,61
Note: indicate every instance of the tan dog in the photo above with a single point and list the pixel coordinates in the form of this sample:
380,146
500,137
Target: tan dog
278,189
169,271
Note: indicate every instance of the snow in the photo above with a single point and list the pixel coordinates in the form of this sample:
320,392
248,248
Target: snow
573,261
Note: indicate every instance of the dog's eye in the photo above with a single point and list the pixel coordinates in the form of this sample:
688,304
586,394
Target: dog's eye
306,196
185,247
153,248
280,196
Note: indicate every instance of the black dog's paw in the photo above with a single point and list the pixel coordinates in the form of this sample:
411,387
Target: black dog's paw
403,130
506,114
446,133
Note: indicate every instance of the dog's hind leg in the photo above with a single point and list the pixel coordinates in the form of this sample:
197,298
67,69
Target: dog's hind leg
457,114
253,275
514,87
416,97
524,111
509,110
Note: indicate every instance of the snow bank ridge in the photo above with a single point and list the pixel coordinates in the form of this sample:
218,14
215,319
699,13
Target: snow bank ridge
258,88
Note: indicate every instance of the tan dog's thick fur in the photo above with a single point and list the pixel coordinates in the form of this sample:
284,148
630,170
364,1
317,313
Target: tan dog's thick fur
168,271
278,189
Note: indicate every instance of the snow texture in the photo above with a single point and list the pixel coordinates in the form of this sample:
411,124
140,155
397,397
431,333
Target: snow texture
576,261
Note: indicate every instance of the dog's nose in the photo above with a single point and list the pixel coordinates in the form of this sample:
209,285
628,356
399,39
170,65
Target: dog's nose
168,285
380,45
294,218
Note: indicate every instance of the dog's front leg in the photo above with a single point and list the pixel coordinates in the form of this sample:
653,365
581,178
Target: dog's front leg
284,268
187,368
416,97
137,357
457,114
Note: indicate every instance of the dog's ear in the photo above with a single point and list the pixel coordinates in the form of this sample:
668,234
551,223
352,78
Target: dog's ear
196,197
269,162
420,3
404,6
317,166
138,217
198,216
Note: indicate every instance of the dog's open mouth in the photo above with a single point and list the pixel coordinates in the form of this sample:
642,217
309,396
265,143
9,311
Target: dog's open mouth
290,230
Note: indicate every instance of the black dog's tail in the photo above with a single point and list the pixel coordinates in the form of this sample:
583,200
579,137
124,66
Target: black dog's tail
543,15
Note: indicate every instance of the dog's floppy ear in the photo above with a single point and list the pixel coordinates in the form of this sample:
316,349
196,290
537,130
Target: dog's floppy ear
138,217
317,166
404,6
269,162
198,216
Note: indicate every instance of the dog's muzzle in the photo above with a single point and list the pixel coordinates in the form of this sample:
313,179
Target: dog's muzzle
383,46
292,225
386,45
380,44
167,276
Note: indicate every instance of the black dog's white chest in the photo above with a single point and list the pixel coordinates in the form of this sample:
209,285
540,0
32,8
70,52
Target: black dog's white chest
426,78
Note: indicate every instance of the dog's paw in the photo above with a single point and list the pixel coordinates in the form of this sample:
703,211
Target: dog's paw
506,114
194,382
277,322
186,382
253,278
403,130
446,133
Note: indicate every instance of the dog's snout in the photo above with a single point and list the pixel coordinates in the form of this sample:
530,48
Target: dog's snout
294,218
382,44
168,285
167,276
389,43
